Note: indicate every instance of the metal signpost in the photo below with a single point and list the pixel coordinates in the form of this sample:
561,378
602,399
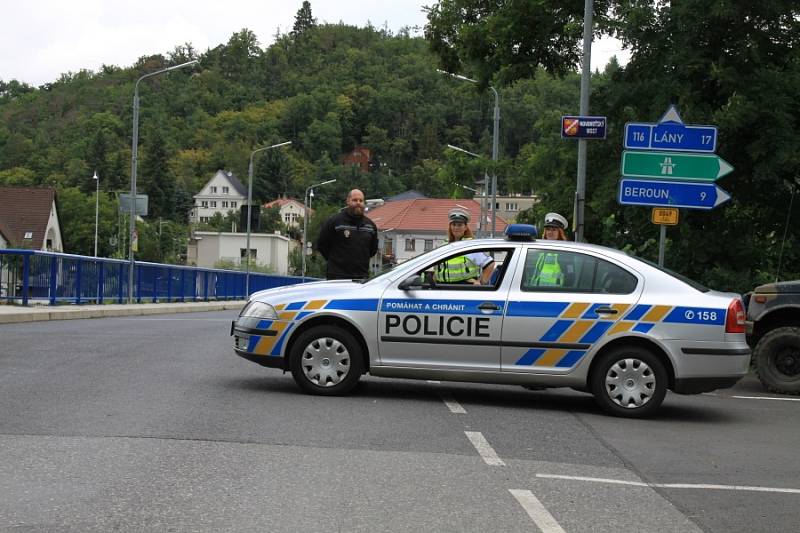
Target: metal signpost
670,165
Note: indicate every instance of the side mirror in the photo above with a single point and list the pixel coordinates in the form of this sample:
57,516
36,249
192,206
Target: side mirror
411,283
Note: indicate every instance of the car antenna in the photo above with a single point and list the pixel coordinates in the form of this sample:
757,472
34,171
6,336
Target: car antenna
785,230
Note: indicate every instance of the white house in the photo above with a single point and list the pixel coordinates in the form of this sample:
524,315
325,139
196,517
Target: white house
207,248
222,193
29,219
291,210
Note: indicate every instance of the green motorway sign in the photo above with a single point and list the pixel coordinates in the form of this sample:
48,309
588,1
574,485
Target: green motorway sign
674,166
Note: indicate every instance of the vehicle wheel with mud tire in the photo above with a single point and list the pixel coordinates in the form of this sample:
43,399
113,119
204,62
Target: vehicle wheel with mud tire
629,381
326,360
777,358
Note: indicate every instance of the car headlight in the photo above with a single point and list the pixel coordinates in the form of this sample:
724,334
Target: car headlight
259,310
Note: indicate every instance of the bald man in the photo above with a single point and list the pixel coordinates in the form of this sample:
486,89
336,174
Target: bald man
348,239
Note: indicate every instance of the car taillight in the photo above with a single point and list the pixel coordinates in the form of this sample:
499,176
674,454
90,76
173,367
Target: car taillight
734,320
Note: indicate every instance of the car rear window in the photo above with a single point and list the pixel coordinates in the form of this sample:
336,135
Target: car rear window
680,277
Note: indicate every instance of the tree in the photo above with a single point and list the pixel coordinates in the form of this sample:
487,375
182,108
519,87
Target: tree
303,20
157,181
508,40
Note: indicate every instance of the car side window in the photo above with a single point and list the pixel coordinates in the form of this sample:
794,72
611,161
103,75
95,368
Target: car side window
478,270
561,271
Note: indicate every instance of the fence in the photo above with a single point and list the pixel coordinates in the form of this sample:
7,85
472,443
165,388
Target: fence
56,278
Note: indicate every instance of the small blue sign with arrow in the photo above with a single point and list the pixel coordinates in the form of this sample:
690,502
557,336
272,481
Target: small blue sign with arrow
671,134
671,194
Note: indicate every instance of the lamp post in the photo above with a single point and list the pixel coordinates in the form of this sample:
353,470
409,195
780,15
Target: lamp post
134,150
96,210
250,208
495,140
305,223
481,220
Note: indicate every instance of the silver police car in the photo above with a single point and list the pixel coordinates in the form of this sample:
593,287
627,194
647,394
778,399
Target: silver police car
553,314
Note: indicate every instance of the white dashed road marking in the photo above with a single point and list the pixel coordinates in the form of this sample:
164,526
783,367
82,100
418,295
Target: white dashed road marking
452,404
538,513
767,398
486,452
670,485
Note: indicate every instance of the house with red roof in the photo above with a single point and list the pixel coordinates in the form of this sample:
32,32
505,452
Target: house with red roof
29,219
291,210
407,228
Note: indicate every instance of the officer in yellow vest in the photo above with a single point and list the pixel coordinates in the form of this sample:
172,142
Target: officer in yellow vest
475,268
548,271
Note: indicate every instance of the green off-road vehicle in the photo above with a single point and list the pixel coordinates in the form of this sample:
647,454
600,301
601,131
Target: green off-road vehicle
773,331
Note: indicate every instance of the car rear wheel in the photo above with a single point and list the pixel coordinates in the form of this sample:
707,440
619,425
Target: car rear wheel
777,357
326,360
629,381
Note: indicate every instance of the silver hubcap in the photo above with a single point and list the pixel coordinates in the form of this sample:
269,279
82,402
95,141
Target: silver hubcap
630,383
325,361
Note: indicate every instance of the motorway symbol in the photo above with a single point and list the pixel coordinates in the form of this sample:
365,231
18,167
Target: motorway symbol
576,127
671,194
674,166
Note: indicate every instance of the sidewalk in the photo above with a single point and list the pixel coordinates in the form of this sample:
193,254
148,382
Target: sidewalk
11,314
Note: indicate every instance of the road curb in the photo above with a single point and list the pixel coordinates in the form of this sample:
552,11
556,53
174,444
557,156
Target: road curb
16,315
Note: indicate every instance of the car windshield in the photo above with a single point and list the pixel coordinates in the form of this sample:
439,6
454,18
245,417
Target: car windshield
388,268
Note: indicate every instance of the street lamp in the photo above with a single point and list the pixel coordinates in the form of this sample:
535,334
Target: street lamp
481,221
134,150
309,190
96,210
495,140
250,208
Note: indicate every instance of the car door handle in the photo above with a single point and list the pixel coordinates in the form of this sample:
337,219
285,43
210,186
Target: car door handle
488,306
605,311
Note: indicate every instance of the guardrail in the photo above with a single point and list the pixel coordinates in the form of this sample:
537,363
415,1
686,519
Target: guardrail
58,278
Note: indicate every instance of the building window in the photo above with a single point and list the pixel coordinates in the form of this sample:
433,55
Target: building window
226,190
224,204
387,247
204,203
233,204
286,218
213,190
203,219
410,245
213,203
512,206
428,245
243,252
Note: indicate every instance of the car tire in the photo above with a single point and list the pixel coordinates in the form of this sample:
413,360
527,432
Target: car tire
777,360
629,381
327,361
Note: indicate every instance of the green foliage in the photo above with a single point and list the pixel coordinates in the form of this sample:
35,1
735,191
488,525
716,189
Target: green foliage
329,88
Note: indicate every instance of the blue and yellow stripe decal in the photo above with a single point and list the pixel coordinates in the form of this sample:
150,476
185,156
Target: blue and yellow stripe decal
578,326
290,313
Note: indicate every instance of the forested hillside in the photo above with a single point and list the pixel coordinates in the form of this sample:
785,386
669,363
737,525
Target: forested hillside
328,88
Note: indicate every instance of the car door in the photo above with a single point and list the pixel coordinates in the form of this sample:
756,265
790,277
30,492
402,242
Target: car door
550,328
445,326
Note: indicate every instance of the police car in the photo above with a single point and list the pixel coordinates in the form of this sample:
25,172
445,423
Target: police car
610,324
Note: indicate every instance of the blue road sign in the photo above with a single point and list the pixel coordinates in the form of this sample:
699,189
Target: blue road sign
583,127
671,134
671,194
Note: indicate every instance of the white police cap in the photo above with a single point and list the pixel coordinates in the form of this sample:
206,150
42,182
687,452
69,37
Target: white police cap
554,220
458,214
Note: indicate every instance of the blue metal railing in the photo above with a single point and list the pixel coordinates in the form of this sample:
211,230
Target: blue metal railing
57,278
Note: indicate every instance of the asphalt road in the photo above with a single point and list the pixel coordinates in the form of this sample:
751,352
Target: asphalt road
153,424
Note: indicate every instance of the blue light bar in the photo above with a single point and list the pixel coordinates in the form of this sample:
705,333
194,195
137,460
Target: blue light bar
521,232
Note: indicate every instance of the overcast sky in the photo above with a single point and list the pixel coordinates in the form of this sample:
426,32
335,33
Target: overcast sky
41,39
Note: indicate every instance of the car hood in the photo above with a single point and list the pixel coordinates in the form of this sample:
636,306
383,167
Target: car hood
310,291
782,287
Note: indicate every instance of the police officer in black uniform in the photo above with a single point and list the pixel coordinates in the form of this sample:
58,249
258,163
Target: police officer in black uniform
348,239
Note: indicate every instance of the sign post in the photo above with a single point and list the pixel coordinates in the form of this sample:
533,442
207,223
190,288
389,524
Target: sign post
668,165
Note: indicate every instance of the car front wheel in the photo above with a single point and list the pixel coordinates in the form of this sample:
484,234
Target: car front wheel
326,360
629,381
